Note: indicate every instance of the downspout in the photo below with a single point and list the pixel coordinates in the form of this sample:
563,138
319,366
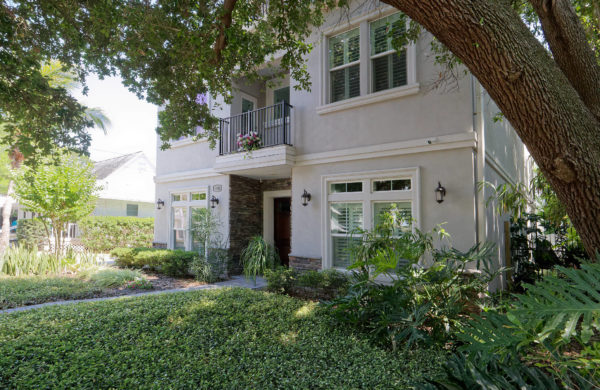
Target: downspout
478,157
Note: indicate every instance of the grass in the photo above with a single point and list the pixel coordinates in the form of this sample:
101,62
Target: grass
217,339
18,291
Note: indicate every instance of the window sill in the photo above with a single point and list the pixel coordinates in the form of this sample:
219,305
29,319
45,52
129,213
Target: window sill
371,98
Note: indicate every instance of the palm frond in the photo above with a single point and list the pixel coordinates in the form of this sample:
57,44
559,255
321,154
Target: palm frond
96,115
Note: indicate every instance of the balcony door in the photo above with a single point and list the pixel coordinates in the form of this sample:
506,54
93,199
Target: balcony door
249,104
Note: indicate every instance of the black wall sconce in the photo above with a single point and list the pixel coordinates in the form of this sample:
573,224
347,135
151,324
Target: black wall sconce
160,204
305,198
440,192
214,201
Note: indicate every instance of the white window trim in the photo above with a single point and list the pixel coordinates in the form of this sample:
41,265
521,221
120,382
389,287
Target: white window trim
188,204
367,197
366,96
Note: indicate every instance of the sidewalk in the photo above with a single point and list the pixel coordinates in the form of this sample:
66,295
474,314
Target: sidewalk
235,281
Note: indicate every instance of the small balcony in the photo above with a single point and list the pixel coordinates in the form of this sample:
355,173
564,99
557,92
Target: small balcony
273,155
271,124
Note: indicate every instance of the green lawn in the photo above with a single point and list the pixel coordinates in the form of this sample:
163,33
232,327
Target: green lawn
30,290
230,338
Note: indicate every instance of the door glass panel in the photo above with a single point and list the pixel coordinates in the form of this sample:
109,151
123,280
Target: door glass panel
179,227
247,105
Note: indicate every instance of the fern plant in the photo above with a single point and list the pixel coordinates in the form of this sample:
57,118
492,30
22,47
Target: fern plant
555,325
257,257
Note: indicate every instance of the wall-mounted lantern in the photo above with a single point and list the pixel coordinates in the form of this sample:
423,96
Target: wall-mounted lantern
160,204
305,198
440,192
214,201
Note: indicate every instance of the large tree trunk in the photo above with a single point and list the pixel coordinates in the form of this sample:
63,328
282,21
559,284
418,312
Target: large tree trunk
549,113
6,212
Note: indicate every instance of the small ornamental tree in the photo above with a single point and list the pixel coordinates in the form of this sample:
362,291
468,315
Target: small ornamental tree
60,190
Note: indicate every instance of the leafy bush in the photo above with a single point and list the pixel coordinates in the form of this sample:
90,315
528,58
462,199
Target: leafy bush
257,257
31,233
417,304
20,260
109,277
247,339
170,262
310,284
212,268
281,280
102,233
555,325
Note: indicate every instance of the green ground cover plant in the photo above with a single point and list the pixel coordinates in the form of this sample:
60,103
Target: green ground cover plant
18,291
325,284
218,339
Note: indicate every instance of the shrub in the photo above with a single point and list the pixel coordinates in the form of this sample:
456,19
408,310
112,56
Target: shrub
211,268
281,279
102,233
418,304
310,284
257,257
109,277
20,260
31,233
170,262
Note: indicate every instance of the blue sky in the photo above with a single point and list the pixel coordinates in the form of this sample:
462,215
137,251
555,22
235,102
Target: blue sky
133,120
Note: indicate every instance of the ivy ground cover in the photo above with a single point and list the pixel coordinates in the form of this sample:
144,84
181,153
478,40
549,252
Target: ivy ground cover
230,338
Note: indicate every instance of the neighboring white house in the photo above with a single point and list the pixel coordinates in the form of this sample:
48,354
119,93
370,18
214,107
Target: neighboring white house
127,186
369,133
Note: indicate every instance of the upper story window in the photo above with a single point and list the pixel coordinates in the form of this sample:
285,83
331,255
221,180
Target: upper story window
132,210
388,67
344,65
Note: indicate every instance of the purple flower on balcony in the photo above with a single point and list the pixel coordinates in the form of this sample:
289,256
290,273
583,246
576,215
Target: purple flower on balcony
201,99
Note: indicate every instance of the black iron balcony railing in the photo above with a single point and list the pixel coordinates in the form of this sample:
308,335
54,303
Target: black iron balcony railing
271,125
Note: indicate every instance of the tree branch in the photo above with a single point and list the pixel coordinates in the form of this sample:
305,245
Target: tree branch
568,43
225,23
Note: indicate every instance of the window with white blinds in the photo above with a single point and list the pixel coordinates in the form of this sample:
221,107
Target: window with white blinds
344,65
345,219
388,67
359,201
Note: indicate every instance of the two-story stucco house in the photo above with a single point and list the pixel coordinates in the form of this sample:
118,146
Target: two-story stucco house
370,132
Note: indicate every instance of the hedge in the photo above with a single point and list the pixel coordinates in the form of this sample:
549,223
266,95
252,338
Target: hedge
102,234
31,233
170,262
211,339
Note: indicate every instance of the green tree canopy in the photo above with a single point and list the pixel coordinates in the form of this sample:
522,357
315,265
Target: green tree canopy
60,189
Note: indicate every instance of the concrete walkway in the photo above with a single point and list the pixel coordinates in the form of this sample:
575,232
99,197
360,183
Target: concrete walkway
235,281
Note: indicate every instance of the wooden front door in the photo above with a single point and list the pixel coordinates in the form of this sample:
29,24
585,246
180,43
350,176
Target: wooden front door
283,228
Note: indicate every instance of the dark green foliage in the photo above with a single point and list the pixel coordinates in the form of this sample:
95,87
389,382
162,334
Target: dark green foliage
555,326
258,256
31,233
417,304
309,284
538,244
462,373
102,234
211,265
218,339
170,262
281,279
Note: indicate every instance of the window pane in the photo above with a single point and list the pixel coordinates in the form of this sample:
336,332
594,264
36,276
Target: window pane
281,95
401,185
398,69
179,218
338,85
198,195
380,73
132,210
346,187
344,48
341,250
381,40
346,217
353,81
403,209
179,197
198,233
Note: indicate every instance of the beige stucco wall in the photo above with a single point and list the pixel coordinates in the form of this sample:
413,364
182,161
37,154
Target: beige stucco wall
453,168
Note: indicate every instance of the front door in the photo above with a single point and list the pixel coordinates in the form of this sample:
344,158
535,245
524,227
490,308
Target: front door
282,228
